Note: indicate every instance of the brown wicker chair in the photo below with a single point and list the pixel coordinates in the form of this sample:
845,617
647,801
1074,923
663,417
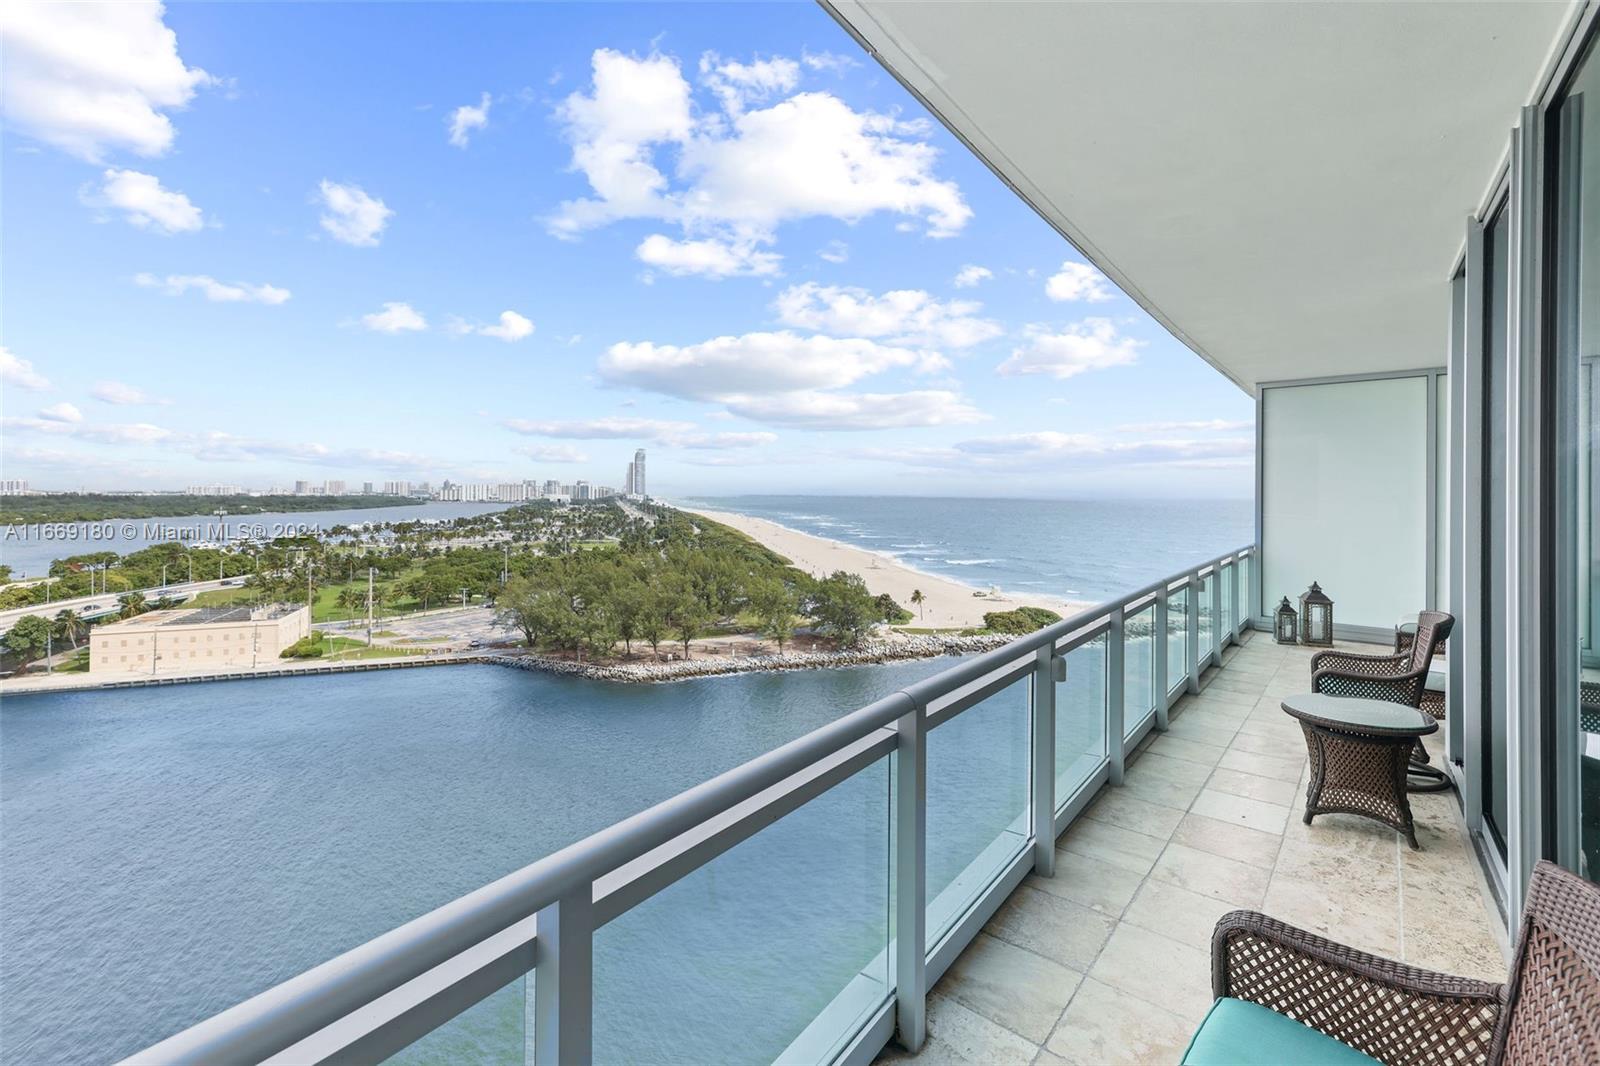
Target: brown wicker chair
1548,1012
1398,678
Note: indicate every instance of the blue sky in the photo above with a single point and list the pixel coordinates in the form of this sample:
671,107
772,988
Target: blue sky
254,243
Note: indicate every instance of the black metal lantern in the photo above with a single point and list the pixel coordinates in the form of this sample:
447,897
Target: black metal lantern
1285,624
1316,617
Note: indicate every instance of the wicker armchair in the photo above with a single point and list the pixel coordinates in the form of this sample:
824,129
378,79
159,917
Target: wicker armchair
1399,678
1548,1012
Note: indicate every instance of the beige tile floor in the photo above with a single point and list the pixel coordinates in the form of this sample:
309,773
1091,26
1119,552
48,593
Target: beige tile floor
1109,960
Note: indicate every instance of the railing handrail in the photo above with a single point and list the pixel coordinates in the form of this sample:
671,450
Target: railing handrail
291,1011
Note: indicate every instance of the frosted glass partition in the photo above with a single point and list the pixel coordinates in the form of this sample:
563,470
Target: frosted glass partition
1344,495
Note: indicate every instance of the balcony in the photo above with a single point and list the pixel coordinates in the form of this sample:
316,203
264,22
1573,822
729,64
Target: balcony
1108,961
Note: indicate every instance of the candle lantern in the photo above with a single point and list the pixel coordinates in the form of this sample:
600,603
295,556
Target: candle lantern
1285,626
1316,617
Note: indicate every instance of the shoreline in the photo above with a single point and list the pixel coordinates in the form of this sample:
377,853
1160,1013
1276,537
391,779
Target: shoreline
948,602
871,653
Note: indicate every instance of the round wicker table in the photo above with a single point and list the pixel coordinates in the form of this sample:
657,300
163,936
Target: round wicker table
1359,751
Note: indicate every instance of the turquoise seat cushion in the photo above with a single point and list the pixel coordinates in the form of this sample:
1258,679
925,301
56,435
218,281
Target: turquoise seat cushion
1236,1033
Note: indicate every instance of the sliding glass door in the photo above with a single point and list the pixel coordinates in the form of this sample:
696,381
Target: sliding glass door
1496,391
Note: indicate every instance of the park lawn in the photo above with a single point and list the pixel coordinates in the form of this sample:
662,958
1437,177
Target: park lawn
78,664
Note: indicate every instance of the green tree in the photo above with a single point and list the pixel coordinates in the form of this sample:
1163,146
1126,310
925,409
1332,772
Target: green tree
655,614
774,604
70,626
844,608
28,638
132,604
689,619
917,600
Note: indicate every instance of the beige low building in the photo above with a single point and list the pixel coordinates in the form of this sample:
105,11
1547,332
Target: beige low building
188,639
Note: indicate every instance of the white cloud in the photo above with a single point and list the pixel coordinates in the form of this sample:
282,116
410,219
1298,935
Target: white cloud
396,317
598,428
105,433
1078,281
673,434
88,78
145,202
1209,425
741,173
709,258
738,84
970,275
1092,344
834,252
512,327
858,411
904,316
466,118
751,363
20,373
553,453
61,412
1053,450
351,215
214,290
832,62
123,395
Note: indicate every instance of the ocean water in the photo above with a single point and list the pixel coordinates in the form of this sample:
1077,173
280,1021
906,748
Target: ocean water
1086,550
168,852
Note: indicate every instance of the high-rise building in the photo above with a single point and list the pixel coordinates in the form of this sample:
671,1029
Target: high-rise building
627,480
638,473
334,488
397,488
366,488
13,487
552,487
302,488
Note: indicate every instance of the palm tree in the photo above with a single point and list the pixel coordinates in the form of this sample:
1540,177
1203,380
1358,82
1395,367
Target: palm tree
70,625
917,599
132,604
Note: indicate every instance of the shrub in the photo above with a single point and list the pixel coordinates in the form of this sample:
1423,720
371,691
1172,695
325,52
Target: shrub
311,647
891,612
1022,620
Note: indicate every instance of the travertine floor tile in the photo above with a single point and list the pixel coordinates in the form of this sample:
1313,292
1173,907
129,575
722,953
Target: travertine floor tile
1178,913
1211,875
1188,750
1022,991
1241,810
1056,928
1156,969
1253,786
959,1036
1110,844
1090,882
1119,808
1228,840
1104,1027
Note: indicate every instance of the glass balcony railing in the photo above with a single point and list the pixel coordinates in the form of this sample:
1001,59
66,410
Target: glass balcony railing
796,908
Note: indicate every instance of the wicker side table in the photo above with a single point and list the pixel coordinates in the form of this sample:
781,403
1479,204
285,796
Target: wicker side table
1359,750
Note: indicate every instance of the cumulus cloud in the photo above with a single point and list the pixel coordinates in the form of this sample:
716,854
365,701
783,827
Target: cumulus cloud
351,215
61,412
145,202
751,363
122,394
92,77
970,275
834,252
709,258
396,317
741,171
100,433
904,316
598,428
858,411
214,290
1208,425
1078,282
738,84
511,327
466,118
19,373
673,434
1093,344
1054,450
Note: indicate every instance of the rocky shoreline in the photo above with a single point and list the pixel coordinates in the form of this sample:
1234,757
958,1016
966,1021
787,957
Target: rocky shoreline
871,653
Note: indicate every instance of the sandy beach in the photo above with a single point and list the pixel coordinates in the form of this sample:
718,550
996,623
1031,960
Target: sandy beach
947,604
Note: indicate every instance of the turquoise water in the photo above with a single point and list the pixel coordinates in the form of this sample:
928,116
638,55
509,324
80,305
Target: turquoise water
1087,550
168,852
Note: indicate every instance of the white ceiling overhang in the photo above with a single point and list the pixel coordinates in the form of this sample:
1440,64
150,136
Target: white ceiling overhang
1283,185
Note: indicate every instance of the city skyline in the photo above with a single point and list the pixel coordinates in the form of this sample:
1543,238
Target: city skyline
718,231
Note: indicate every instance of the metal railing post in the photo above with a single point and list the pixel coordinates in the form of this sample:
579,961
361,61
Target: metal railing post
563,981
1044,761
1238,598
911,879
1158,651
1115,682
1215,655
1191,648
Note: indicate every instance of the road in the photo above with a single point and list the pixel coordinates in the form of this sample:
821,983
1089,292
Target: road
102,604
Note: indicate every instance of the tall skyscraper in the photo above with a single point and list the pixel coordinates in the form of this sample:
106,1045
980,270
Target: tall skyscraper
627,481
638,472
